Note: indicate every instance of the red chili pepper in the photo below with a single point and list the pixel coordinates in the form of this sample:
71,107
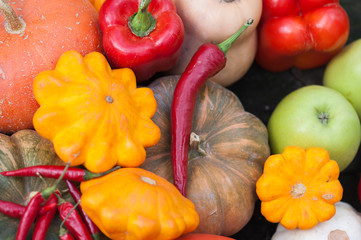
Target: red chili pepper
64,234
11,209
33,208
73,221
304,34
51,171
145,35
15,210
207,61
43,221
31,212
75,193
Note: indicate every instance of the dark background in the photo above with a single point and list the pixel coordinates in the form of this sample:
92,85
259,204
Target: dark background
260,91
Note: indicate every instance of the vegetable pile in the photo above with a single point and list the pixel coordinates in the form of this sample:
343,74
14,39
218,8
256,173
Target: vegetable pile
125,119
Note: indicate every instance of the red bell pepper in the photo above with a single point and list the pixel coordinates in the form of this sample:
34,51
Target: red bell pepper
144,35
300,33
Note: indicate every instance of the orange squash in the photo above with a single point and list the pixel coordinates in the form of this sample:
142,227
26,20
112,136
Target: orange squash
51,28
135,204
299,188
94,115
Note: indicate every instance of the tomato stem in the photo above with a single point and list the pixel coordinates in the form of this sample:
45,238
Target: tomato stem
142,23
13,23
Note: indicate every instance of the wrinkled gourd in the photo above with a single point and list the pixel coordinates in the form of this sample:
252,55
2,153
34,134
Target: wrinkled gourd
94,115
224,163
299,188
135,204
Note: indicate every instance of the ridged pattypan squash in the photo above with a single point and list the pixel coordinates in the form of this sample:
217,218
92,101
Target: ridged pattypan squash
299,188
94,115
135,204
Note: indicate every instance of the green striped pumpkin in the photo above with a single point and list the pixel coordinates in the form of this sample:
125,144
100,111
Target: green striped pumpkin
22,149
222,176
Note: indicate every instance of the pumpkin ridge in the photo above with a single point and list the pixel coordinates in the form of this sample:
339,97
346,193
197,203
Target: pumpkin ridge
211,180
8,142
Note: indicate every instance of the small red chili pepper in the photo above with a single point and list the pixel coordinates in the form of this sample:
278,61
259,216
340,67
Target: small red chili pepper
51,171
31,212
75,193
43,220
14,210
144,35
34,206
73,221
11,209
206,62
65,235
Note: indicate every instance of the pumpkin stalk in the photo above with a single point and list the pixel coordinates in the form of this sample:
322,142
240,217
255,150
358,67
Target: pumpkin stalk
195,143
13,23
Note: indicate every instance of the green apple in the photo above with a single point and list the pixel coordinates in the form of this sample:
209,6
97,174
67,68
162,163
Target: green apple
343,73
316,116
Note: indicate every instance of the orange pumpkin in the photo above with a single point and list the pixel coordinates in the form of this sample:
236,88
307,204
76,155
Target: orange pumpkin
52,27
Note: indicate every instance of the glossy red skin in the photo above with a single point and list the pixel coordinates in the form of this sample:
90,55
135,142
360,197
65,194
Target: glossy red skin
206,62
201,236
156,52
66,236
11,209
300,33
52,171
29,216
15,210
43,221
75,193
74,223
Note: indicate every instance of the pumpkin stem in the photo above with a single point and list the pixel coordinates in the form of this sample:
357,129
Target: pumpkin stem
13,23
148,180
195,143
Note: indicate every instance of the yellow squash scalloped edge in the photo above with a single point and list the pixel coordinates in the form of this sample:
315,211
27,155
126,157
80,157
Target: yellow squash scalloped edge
95,116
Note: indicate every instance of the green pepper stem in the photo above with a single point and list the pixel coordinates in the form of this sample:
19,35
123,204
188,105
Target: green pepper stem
142,23
50,190
225,45
13,23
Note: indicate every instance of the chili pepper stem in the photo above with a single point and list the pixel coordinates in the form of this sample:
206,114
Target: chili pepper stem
13,23
48,191
226,44
142,23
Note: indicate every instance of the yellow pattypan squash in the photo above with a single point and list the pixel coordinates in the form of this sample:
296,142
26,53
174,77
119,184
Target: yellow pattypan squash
135,204
94,115
299,187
